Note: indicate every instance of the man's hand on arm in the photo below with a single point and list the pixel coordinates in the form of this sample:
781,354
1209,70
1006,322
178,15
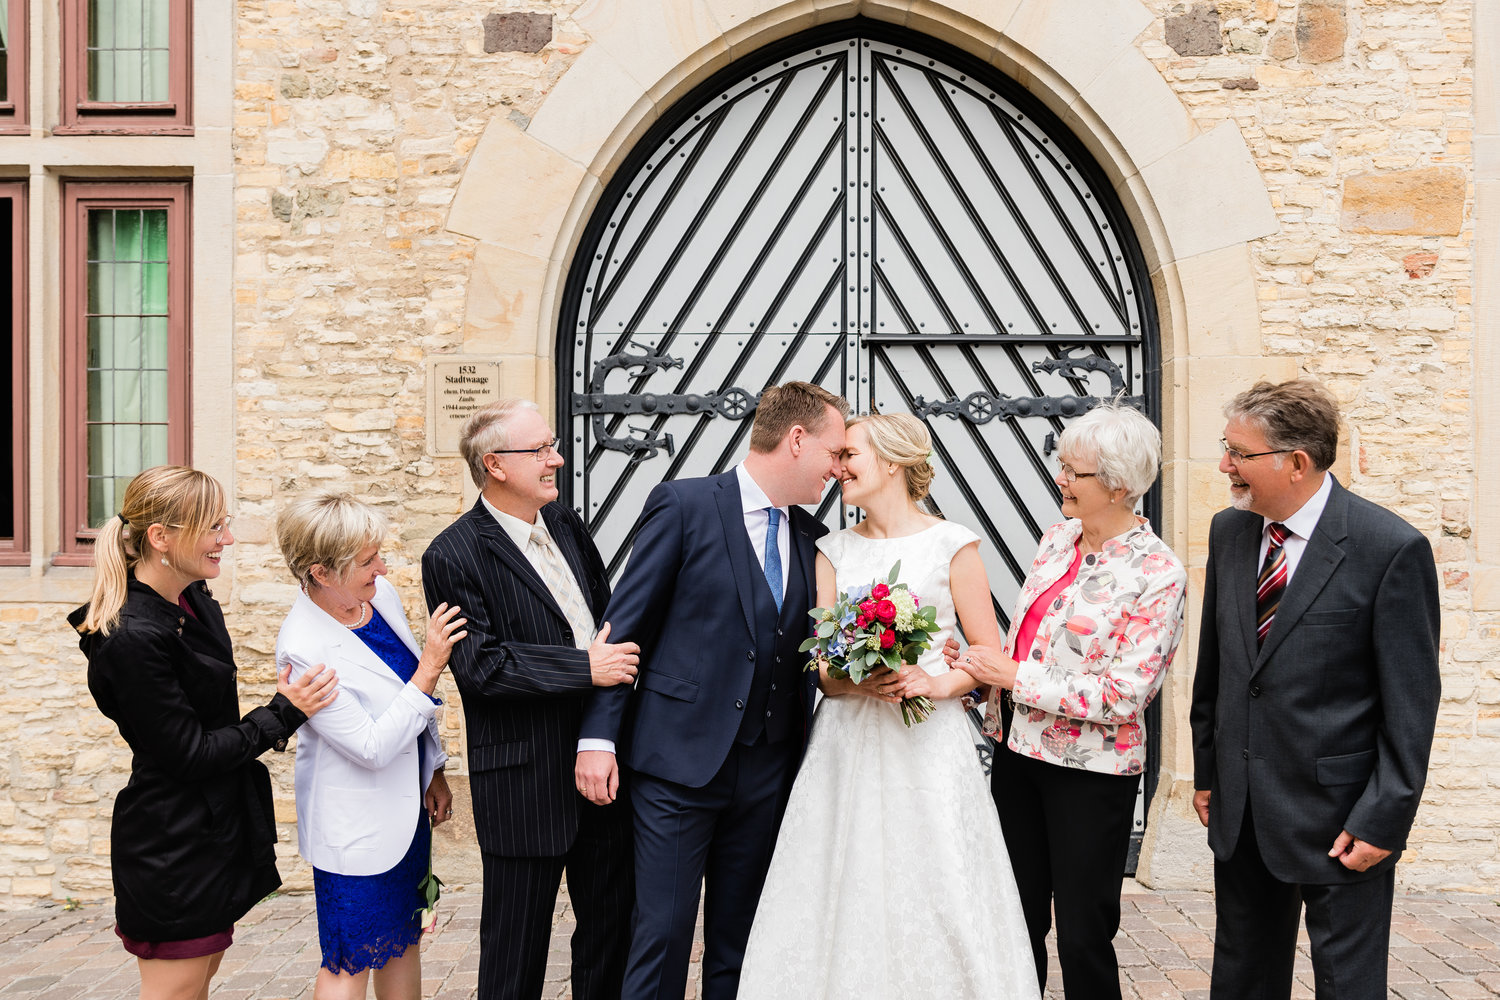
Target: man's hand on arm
612,663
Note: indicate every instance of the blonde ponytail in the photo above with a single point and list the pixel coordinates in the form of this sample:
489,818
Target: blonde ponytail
171,495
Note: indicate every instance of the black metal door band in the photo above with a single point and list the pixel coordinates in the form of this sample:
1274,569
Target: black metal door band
737,404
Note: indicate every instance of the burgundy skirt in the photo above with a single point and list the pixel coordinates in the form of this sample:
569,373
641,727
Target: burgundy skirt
191,948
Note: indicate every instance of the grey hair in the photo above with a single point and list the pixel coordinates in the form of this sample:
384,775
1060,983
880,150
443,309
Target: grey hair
487,430
1300,415
1123,442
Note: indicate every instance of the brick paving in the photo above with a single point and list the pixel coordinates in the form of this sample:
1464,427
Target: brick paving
1444,947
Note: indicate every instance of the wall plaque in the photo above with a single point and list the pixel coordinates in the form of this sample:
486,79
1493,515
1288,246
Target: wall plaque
457,385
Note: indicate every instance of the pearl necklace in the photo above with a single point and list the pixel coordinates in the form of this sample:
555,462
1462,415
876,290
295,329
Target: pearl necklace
358,621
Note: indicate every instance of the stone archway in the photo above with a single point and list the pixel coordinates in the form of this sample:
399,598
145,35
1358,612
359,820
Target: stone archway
1194,196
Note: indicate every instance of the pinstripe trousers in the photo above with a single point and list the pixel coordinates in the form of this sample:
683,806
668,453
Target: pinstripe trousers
515,927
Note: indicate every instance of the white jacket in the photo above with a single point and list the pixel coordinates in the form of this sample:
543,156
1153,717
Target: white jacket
359,793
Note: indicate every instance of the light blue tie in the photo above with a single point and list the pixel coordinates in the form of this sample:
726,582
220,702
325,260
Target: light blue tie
773,555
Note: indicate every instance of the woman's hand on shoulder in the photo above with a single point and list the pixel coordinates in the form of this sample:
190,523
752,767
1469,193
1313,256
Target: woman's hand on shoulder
310,693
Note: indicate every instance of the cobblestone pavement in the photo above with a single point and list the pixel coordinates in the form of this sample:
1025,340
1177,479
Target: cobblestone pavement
1444,947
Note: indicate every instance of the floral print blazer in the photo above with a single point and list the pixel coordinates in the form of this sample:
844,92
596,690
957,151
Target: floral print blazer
1101,651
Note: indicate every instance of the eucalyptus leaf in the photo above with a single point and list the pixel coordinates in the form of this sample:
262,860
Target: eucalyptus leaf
810,642
826,629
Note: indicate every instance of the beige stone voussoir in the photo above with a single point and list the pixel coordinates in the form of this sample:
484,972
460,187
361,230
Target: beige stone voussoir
1210,194
504,300
746,25
515,191
1218,289
596,108
975,26
664,44
1132,112
1071,42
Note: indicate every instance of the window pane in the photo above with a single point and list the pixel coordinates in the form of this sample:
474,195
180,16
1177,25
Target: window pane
128,49
128,341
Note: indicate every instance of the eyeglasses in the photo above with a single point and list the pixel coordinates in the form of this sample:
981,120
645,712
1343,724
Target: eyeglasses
541,454
1239,456
1071,475
218,529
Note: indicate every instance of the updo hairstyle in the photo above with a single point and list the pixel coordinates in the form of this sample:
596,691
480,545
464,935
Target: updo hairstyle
903,440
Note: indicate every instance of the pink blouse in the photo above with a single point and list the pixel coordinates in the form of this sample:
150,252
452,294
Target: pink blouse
1026,634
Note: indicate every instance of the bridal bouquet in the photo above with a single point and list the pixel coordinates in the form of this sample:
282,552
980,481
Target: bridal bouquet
879,625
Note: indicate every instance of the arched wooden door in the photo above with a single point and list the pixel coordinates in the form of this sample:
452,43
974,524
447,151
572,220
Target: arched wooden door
877,212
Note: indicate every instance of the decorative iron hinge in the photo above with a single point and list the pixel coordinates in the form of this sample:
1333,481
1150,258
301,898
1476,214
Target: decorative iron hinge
982,407
734,403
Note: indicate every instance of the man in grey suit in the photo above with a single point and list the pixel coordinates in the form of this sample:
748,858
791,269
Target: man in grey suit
1314,703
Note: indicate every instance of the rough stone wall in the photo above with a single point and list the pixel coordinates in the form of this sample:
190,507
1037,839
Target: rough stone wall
354,122
1359,115
353,125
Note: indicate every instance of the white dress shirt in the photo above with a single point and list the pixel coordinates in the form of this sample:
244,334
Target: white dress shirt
753,501
1299,528
520,533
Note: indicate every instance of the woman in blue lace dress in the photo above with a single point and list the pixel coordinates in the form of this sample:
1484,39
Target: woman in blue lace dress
370,783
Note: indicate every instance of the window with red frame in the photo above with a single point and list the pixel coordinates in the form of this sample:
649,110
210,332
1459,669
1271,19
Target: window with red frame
13,49
125,345
127,66
13,371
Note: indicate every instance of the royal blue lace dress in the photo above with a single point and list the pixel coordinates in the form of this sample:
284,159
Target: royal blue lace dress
366,920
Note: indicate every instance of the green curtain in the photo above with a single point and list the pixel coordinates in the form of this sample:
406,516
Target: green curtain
4,50
128,50
128,336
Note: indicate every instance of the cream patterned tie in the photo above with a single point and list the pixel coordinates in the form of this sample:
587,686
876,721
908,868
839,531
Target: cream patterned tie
564,586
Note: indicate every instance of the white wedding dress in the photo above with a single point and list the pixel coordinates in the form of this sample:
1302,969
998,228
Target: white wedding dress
890,876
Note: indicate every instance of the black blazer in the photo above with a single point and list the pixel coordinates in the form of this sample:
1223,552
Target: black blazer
1329,725
521,677
192,843
688,597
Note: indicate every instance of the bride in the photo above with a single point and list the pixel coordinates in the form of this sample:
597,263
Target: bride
890,877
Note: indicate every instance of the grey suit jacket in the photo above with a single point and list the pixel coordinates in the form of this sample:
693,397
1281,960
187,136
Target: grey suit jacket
1328,726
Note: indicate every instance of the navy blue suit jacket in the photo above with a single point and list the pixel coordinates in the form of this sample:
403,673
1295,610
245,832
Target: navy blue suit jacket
686,598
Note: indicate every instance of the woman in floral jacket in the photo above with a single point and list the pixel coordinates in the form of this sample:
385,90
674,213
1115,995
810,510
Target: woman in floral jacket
1094,630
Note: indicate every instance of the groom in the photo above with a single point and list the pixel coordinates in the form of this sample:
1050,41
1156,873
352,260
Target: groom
716,594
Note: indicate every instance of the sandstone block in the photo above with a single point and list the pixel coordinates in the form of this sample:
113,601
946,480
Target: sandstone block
520,31
1321,30
1195,33
1427,201
1282,44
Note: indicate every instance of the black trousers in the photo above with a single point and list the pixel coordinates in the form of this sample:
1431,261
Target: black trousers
520,894
1255,938
1068,833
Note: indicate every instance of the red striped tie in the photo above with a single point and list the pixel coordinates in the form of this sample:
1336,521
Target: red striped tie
1271,583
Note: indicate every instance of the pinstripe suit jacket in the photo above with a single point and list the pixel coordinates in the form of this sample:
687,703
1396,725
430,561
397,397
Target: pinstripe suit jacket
521,677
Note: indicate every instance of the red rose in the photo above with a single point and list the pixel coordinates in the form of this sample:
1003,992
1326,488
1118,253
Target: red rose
887,639
862,621
880,590
867,607
886,612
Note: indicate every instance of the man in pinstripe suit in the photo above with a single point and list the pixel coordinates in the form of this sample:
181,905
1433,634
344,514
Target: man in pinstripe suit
533,587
